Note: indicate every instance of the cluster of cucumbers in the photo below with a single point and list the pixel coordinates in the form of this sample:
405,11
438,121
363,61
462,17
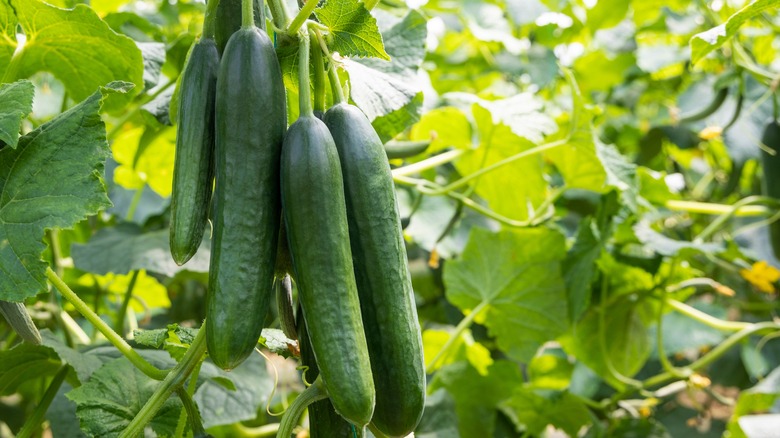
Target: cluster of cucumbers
325,186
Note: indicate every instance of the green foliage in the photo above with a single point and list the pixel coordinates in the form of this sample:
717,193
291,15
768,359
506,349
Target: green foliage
589,229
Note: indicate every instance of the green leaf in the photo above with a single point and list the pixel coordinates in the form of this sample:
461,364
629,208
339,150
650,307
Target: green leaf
756,400
533,410
83,363
113,396
464,348
126,248
17,101
445,127
439,417
626,344
276,341
380,87
23,362
579,268
53,179
606,13
220,405
516,275
352,28
151,338
478,397
77,47
7,35
705,42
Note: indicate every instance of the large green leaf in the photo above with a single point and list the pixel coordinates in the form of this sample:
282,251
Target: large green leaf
53,179
705,42
113,396
23,362
17,99
126,248
7,35
477,397
516,276
77,47
381,88
352,28
534,410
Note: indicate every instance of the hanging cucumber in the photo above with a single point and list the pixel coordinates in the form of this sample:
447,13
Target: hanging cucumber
316,222
771,182
381,271
228,19
250,124
193,167
17,317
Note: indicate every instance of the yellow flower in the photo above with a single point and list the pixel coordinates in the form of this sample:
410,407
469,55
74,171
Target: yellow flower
762,276
710,132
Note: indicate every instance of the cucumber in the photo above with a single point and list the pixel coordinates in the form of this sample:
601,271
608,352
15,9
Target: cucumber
193,167
405,149
324,422
316,222
17,317
381,271
771,182
228,20
251,118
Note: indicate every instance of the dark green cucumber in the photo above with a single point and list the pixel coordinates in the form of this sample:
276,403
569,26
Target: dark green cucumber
316,221
405,149
381,271
251,118
17,317
193,168
324,422
771,182
228,20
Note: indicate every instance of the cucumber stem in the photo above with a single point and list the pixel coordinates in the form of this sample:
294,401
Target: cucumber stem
319,73
36,418
247,14
112,336
303,75
278,13
315,392
210,19
173,381
302,16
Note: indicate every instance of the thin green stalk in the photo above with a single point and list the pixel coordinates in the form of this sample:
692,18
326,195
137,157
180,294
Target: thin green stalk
429,163
12,71
196,422
302,16
304,89
711,321
333,74
464,324
278,13
678,373
134,203
716,209
32,423
267,430
119,322
210,18
527,153
319,73
119,342
375,430
715,353
723,218
172,382
247,14
190,391
316,391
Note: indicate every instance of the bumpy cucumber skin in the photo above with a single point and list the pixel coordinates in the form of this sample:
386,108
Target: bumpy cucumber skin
316,220
228,20
381,271
324,422
771,182
251,118
193,170
17,317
